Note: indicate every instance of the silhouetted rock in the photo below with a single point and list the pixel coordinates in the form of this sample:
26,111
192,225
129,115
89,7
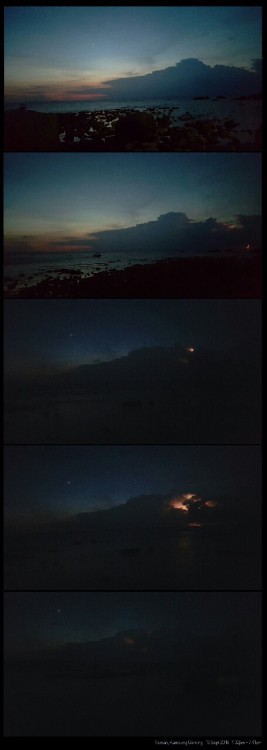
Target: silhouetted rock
116,130
138,126
26,130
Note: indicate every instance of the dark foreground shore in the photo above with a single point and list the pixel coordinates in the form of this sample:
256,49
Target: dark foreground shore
155,129
183,278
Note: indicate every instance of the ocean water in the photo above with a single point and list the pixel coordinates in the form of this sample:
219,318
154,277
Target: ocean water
246,112
34,267
82,558
157,702
94,106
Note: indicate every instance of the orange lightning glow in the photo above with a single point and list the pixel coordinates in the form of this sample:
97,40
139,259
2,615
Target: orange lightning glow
182,502
196,525
247,247
179,505
186,500
190,349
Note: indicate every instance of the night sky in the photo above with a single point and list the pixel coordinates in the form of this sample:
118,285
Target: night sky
59,202
79,53
46,335
52,618
43,482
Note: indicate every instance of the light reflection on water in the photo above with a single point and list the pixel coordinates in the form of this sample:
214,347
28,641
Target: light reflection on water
186,552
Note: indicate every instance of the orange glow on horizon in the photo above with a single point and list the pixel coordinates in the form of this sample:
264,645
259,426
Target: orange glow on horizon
196,525
210,503
190,349
60,90
73,97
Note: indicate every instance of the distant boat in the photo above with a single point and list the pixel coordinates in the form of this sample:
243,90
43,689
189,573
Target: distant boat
97,255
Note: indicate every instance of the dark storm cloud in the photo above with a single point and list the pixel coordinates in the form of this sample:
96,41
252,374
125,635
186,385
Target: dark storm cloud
257,65
175,232
189,77
170,234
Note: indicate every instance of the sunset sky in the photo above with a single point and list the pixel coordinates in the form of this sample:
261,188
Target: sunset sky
64,53
59,202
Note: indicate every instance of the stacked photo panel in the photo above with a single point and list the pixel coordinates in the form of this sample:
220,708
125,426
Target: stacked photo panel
132,373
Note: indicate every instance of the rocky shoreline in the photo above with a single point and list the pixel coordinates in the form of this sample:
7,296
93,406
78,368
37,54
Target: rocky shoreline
197,278
154,129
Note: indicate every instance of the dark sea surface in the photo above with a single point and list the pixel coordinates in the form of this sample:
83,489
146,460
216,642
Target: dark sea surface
215,557
29,268
153,703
